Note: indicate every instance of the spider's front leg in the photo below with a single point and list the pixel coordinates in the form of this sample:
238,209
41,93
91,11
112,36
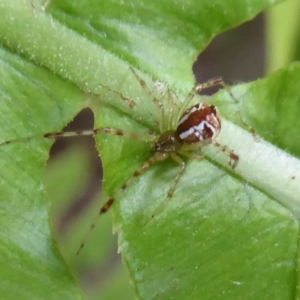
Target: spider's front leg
88,132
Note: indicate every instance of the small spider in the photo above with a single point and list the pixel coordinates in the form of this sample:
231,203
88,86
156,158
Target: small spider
185,129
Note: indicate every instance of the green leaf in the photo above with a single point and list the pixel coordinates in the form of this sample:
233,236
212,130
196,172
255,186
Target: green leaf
224,234
282,35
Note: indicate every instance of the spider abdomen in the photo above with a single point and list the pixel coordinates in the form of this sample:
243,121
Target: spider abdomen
199,123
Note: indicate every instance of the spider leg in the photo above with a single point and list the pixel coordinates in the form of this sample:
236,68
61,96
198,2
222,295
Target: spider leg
129,101
220,81
214,82
197,89
178,176
153,98
171,94
250,129
185,104
44,6
146,165
172,104
170,110
192,155
172,189
105,130
233,157
145,87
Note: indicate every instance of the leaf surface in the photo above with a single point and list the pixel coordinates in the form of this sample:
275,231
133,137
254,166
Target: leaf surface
224,234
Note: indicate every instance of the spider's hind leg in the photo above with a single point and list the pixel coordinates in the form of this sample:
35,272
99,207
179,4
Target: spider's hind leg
178,176
146,165
172,189
233,158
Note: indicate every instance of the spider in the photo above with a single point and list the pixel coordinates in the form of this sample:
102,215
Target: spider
185,129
